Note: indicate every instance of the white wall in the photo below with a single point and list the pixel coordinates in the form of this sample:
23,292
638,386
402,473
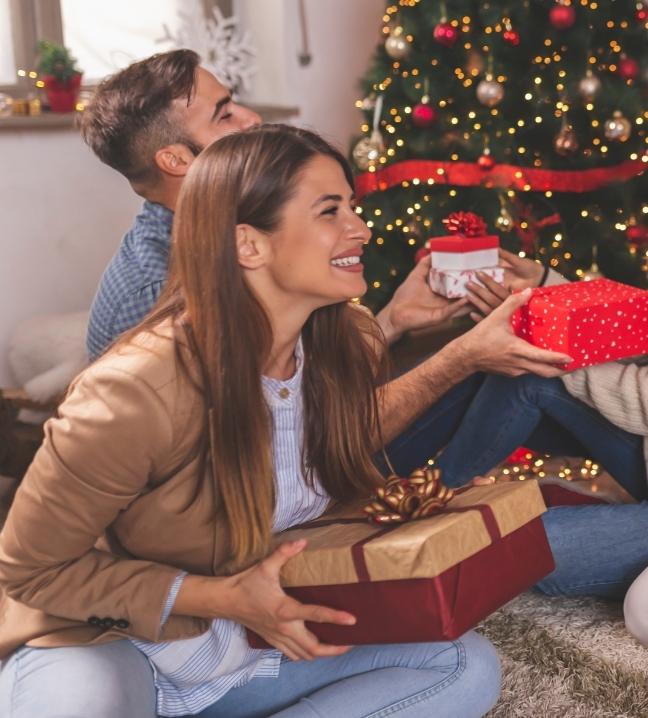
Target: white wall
63,213
342,36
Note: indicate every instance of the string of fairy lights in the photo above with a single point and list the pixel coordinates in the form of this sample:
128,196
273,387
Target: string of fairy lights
546,97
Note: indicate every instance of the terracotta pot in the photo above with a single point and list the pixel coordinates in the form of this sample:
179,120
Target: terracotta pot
62,96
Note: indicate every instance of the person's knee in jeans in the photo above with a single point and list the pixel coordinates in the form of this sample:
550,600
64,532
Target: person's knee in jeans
105,681
635,608
482,677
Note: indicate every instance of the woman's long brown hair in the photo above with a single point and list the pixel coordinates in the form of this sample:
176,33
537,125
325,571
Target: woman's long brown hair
246,178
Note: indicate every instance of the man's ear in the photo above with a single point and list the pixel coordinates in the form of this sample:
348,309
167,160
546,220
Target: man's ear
252,247
174,160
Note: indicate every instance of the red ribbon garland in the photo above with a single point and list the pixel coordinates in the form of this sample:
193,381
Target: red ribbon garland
470,174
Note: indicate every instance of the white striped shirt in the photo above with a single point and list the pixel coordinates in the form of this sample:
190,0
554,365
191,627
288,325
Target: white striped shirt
194,673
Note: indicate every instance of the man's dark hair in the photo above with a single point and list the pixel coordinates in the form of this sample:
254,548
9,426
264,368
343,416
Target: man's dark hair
130,116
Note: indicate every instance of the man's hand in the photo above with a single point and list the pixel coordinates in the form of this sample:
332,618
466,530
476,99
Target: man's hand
491,346
520,272
415,306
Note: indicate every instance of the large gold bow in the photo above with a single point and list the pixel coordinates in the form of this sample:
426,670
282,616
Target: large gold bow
417,497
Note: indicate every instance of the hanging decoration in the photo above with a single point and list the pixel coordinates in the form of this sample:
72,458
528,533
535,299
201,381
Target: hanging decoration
445,33
589,87
628,68
510,36
562,16
618,128
224,50
566,141
490,92
423,114
636,234
397,46
368,150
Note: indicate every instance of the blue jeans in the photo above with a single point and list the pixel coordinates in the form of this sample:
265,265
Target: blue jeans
505,413
599,549
457,679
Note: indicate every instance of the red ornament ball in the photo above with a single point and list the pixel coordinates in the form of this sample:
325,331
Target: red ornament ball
446,34
641,15
486,162
562,17
628,68
637,235
512,37
424,115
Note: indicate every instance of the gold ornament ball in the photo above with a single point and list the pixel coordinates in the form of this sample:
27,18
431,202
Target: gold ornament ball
397,45
490,93
618,128
589,87
368,150
566,142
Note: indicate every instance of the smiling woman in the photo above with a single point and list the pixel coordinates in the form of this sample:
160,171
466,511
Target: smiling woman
139,546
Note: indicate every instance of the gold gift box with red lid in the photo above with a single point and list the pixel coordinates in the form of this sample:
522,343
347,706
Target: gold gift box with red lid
424,580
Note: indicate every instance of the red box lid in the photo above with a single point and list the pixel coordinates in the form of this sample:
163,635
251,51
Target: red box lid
453,243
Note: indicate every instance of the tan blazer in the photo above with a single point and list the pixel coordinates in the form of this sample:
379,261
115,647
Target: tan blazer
111,508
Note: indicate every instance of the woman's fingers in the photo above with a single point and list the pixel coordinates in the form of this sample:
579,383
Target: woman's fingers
500,291
322,614
477,301
274,562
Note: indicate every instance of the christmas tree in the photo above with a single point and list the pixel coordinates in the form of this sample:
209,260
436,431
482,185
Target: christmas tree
531,113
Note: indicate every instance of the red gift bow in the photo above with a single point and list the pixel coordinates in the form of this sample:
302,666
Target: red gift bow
465,224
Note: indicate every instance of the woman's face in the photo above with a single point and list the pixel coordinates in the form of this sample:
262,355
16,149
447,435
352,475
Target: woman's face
317,250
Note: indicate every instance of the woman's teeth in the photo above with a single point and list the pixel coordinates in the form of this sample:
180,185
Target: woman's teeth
345,261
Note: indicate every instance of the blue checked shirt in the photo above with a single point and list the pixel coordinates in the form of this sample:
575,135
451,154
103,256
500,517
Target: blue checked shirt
133,280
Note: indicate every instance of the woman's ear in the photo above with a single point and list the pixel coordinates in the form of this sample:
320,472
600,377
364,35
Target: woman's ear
174,160
251,246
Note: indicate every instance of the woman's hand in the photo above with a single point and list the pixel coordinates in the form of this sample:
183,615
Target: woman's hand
415,306
255,599
492,346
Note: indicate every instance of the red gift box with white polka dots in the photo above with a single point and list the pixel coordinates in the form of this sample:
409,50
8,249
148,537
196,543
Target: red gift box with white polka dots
593,322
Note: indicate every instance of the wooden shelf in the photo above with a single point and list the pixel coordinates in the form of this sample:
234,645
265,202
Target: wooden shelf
68,120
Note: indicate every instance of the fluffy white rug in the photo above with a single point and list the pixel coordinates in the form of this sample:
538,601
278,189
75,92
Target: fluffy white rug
567,658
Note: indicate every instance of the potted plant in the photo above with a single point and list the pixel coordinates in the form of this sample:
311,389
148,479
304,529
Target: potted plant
60,76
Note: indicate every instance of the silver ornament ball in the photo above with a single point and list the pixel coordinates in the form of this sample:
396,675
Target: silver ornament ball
397,45
490,93
589,87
